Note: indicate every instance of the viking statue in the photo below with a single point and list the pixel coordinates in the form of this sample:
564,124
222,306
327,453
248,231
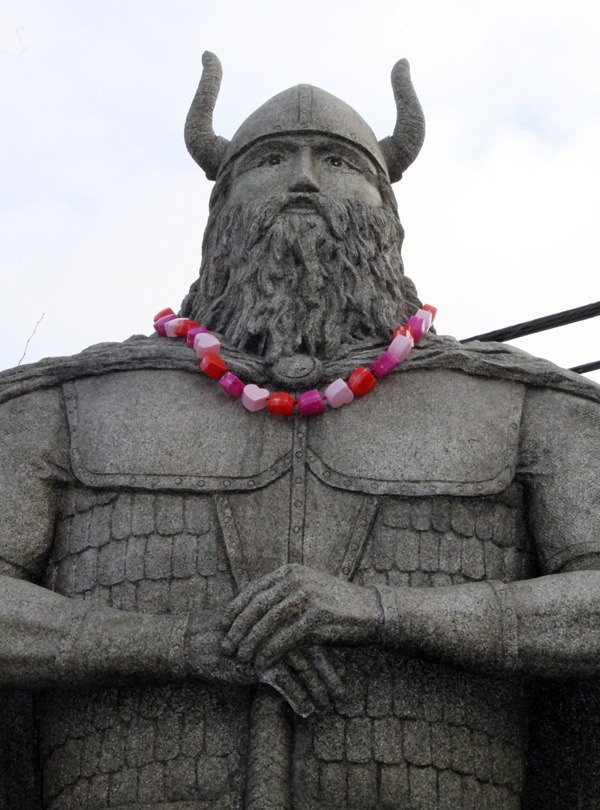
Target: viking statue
368,599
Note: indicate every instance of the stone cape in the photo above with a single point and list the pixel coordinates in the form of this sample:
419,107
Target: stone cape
492,360
438,354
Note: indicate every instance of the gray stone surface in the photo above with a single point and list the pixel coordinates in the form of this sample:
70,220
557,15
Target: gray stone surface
392,605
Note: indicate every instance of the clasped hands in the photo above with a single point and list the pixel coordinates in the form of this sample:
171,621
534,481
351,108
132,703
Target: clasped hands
282,623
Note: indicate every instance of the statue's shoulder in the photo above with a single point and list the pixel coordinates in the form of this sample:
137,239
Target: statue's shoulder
501,362
136,353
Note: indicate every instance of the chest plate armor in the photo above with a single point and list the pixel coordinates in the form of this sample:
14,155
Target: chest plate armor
181,497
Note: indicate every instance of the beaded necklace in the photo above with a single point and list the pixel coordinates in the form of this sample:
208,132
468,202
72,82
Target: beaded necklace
311,403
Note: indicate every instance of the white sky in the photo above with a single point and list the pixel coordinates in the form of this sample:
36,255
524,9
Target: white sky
103,209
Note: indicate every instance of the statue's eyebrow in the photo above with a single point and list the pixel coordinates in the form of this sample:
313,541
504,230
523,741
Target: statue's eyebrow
351,154
259,150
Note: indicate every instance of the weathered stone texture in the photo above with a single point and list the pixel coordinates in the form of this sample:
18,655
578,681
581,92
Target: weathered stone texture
445,734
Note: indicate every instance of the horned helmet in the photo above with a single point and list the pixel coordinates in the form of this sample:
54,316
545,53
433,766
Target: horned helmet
308,109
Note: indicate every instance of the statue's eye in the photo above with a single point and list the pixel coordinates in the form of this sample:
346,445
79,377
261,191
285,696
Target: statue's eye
335,160
274,160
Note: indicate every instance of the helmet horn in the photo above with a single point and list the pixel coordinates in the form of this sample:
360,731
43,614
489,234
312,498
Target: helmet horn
409,133
204,146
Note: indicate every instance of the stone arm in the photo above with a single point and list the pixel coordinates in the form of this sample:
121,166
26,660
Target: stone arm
48,640
548,626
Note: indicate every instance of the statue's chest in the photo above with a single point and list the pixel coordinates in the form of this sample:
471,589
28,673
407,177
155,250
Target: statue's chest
183,497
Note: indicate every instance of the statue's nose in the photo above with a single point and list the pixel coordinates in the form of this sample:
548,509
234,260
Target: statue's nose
303,174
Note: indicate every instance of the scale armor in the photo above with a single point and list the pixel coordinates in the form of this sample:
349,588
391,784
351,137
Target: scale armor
390,740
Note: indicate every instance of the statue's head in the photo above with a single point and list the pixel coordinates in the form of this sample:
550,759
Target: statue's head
302,110
302,248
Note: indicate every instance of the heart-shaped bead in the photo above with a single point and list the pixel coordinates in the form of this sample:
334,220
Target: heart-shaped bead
254,398
204,342
401,346
337,393
426,315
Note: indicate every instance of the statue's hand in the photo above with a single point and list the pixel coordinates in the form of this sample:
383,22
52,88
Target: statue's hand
296,606
306,678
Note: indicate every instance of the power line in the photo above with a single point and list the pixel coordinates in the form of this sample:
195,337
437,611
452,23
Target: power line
542,324
586,367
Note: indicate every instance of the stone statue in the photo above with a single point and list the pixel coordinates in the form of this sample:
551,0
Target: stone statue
216,609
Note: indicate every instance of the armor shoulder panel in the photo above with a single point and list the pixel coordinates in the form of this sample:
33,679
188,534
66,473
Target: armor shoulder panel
423,433
153,430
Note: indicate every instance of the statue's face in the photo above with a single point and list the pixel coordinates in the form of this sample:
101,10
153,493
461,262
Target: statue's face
304,164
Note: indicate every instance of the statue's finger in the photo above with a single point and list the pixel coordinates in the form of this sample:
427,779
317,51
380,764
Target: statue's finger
327,672
283,640
284,681
304,668
243,599
251,615
279,616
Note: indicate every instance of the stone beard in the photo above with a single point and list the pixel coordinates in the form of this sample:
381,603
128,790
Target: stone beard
301,273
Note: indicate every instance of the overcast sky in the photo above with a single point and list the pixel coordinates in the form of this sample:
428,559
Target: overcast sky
103,209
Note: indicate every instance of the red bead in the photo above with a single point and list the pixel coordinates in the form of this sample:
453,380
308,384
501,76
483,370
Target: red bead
361,382
401,330
431,309
281,404
184,326
213,366
163,312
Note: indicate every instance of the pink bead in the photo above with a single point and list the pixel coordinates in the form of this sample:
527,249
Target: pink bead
232,385
172,325
384,364
195,330
401,346
417,327
205,342
338,393
161,323
254,398
427,317
311,403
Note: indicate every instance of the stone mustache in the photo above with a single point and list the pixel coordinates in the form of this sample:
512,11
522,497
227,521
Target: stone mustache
390,605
